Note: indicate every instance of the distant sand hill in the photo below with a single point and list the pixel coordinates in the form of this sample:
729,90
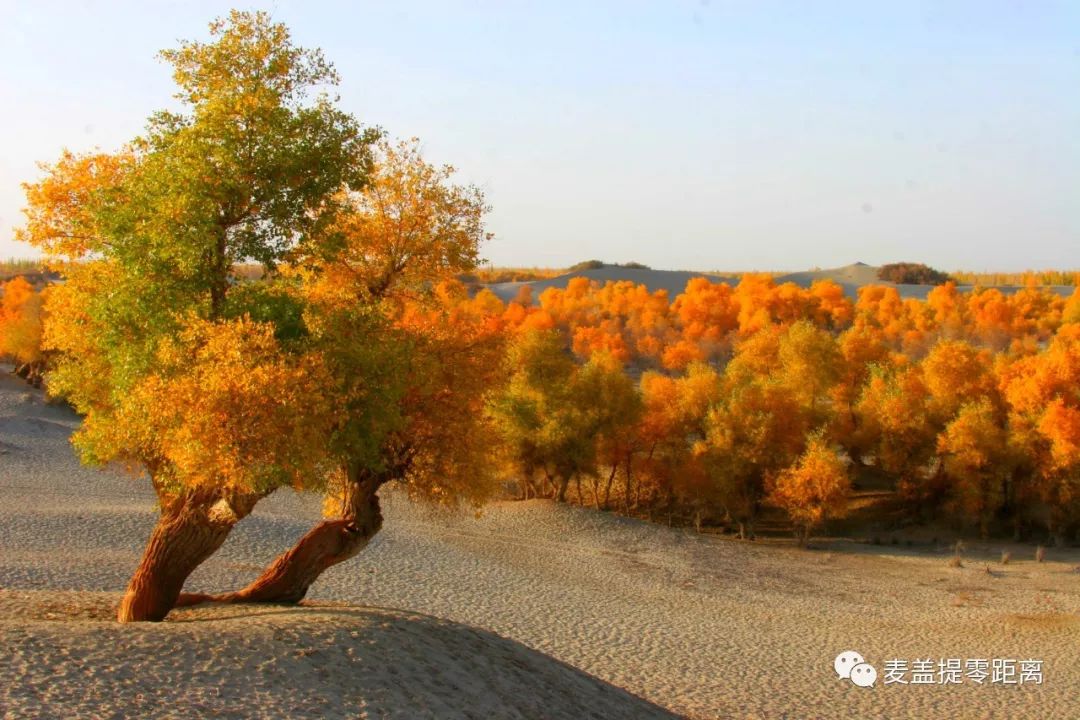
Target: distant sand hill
850,277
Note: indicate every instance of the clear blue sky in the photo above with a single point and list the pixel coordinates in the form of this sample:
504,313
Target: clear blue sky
704,135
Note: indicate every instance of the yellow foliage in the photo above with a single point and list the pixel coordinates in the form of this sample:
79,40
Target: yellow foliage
975,451
813,489
225,407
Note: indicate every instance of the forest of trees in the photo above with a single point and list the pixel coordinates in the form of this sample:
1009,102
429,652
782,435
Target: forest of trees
355,358
730,399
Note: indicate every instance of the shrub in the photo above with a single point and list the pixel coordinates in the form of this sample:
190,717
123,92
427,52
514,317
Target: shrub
586,265
905,273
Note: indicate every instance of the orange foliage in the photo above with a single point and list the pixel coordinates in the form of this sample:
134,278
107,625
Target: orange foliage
20,322
60,210
812,490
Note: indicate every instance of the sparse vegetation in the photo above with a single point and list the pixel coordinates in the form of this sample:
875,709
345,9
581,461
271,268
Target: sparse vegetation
492,275
1027,278
585,265
18,266
906,273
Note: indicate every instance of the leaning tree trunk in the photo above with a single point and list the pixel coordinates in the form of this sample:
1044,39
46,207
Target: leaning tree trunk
330,542
191,528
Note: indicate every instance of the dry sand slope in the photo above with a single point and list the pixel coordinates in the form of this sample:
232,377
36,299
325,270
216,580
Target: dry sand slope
531,611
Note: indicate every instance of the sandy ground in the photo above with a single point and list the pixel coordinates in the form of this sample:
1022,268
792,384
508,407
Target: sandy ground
849,277
277,662
531,610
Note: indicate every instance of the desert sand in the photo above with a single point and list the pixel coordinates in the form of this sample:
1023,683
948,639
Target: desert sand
849,277
531,610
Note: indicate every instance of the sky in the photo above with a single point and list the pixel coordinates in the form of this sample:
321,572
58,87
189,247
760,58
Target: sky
684,134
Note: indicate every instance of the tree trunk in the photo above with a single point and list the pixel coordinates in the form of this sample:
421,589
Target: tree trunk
629,487
219,286
330,542
564,483
607,488
30,372
191,528
529,486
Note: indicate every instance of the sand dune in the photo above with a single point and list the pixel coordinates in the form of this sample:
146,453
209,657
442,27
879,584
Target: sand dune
316,661
857,275
531,610
850,277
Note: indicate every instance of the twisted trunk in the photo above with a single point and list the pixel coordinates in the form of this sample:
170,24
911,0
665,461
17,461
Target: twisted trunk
330,542
191,528
31,372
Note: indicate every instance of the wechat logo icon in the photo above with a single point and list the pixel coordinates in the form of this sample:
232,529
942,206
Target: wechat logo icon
850,665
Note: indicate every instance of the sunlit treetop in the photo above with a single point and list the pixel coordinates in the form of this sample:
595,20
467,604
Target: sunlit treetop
249,169
405,231
251,62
